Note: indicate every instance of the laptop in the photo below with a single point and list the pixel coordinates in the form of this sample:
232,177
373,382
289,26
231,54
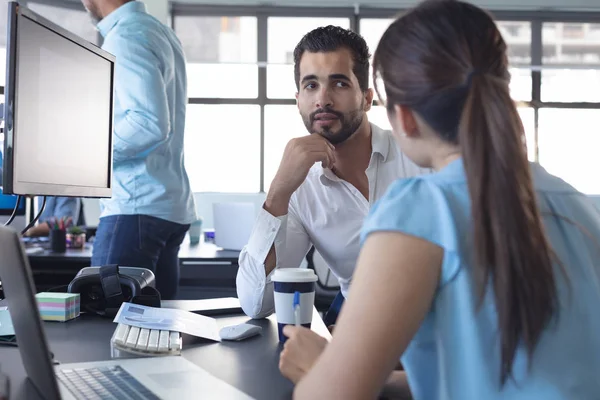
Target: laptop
233,224
143,378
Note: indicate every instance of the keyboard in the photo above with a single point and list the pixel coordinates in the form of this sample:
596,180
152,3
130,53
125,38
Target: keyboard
103,383
149,342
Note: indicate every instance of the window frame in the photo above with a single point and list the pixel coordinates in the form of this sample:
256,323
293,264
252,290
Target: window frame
355,14
261,13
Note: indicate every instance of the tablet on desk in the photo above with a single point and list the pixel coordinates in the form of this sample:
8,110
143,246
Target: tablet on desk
208,307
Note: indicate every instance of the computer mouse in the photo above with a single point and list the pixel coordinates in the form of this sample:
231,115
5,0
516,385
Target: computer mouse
239,332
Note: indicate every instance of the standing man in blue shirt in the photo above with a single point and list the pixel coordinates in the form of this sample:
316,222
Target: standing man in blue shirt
152,205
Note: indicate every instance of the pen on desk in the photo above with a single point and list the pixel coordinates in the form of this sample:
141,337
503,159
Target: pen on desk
297,308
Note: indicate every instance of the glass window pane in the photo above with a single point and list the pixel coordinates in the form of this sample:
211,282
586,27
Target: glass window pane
568,146
222,80
571,43
528,118
520,84
517,35
371,29
276,138
576,44
221,55
378,116
571,85
223,160
284,34
78,22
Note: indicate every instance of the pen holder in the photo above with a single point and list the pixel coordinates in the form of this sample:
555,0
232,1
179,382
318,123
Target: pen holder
58,240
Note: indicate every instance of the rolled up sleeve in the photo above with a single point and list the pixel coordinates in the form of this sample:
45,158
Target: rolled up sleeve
287,234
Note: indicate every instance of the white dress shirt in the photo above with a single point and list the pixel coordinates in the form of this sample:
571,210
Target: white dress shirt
325,211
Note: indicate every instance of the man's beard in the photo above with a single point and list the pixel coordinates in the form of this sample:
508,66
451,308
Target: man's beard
350,122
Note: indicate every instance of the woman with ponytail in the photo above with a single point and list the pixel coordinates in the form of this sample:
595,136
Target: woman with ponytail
484,277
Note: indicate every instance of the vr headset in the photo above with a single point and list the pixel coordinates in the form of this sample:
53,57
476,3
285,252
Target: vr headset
104,289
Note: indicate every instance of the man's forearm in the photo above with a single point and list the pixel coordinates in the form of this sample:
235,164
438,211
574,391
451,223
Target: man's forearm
276,205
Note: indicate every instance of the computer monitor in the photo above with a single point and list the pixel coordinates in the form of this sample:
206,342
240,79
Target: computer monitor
58,110
8,201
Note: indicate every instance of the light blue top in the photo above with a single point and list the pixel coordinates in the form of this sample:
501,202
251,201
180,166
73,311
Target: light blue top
60,207
149,176
456,354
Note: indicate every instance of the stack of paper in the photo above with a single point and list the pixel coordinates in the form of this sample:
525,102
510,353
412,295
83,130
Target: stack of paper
168,319
58,306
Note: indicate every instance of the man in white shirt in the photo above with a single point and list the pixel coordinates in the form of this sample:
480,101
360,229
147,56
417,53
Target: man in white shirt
328,180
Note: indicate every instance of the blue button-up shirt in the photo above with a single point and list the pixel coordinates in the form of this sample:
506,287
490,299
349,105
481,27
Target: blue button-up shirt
149,176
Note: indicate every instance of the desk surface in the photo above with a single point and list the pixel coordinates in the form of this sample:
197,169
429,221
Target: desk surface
188,252
250,365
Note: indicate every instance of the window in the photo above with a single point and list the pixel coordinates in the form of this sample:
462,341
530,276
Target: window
568,146
226,87
222,147
527,115
221,55
74,19
517,36
284,33
577,48
372,29
378,116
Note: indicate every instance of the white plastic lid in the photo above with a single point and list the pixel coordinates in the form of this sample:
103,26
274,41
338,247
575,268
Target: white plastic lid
299,275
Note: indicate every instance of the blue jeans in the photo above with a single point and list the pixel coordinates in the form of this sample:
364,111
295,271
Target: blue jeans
142,241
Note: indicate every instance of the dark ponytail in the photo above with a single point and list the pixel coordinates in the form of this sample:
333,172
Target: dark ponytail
511,248
447,61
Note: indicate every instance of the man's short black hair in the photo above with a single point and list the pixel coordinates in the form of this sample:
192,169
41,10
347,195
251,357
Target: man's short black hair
332,38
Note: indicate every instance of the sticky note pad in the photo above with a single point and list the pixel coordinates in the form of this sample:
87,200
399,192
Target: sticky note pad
58,306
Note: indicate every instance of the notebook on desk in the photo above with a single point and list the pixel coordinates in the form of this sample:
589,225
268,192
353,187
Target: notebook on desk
147,378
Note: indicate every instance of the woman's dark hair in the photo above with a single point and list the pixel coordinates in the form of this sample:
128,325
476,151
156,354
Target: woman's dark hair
447,61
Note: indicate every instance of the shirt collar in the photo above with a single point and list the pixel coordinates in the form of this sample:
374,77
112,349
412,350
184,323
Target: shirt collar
112,19
380,144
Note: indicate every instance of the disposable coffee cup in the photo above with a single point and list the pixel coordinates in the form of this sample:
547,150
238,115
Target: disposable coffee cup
286,282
